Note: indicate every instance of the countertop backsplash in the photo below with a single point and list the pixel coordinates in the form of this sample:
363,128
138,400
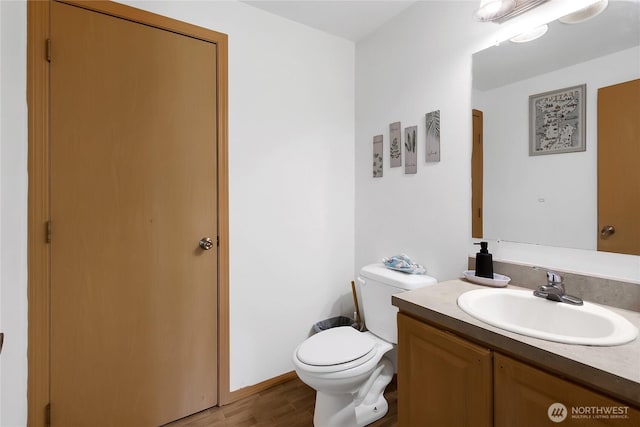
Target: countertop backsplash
609,292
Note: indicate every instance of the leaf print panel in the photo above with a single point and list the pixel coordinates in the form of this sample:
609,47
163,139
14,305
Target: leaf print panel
395,147
433,136
410,150
377,156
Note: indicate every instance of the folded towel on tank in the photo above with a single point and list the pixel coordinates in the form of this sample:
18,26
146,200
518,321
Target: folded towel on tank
404,264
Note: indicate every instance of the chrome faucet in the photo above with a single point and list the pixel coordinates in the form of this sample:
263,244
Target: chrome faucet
554,290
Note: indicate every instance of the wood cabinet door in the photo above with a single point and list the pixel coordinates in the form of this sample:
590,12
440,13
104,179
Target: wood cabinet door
528,397
443,380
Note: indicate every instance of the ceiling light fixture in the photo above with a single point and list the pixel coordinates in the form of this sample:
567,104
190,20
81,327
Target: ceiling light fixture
586,13
490,10
543,14
528,36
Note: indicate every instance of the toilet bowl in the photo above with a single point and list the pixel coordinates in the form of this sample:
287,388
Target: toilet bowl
350,369
338,379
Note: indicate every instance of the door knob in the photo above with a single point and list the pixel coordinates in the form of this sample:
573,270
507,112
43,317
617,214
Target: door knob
607,231
206,243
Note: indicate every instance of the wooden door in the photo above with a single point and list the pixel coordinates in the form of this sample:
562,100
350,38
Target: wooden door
523,396
477,156
443,380
618,170
133,190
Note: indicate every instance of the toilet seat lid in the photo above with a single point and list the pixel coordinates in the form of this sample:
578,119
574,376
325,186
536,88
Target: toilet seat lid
335,346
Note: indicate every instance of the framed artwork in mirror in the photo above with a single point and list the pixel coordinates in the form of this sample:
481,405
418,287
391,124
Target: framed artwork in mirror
557,121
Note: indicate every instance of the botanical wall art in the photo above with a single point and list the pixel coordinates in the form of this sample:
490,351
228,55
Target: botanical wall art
433,136
410,149
395,147
377,156
557,121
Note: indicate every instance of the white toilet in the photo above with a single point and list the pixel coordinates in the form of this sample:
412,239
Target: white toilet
349,369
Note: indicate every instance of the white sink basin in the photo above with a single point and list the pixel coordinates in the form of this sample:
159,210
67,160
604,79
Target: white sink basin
521,312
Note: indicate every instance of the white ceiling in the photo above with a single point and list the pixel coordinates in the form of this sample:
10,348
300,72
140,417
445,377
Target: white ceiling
349,19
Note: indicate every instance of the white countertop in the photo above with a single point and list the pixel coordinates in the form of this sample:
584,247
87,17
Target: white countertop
613,370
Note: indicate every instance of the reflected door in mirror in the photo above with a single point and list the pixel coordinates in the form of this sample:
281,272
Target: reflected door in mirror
476,176
618,169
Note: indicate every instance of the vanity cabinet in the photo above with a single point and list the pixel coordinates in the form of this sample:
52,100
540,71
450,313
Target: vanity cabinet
443,380
523,395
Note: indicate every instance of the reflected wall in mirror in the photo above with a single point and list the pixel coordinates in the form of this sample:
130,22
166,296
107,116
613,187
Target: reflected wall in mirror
549,200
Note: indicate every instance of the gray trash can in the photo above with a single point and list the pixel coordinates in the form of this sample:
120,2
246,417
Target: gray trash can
334,322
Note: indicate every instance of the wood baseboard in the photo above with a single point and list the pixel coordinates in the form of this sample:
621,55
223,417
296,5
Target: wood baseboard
236,395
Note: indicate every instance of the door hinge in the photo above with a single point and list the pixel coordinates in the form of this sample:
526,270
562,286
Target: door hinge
48,50
48,232
47,414
479,212
217,240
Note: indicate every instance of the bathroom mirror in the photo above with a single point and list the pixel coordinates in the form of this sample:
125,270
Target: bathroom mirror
551,199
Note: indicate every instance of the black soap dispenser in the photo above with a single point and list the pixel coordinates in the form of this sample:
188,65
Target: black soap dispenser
484,261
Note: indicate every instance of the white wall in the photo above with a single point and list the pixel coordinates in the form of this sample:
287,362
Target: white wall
515,183
13,215
418,62
291,167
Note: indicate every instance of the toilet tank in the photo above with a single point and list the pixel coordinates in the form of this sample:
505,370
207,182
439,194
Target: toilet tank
377,285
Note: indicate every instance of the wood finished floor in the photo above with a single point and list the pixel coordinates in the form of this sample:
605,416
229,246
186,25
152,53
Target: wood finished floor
286,405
